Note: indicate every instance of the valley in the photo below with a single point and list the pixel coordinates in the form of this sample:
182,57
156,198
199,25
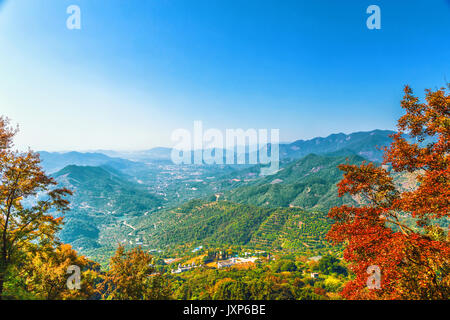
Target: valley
146,200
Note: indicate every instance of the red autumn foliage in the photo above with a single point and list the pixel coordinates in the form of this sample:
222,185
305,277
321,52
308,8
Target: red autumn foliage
414,257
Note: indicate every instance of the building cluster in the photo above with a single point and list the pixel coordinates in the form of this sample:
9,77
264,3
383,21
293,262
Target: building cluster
220,264
184,268
233,261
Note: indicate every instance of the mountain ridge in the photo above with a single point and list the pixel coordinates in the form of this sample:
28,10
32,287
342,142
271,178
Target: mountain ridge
363,142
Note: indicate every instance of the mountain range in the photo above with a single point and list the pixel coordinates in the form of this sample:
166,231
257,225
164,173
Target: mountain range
147,200
54,161
365,144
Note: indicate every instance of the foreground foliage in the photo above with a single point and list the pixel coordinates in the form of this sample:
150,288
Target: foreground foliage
414,261
27,197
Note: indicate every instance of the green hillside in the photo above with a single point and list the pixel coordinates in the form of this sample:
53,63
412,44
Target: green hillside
102,196
285,211
225,223
365,144
309,183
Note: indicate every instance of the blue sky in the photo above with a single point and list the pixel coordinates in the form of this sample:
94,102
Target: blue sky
137,70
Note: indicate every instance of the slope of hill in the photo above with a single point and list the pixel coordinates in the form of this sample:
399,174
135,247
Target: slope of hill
284,211
226,223
308,183
54,161
365,144
102,196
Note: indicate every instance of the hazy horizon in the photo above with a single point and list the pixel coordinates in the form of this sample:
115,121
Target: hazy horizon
170,147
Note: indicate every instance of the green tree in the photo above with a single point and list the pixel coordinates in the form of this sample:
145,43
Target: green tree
329,264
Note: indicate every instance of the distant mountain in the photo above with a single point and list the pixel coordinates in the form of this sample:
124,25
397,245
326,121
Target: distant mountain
102,196
308,183
54,161
154,154
365,144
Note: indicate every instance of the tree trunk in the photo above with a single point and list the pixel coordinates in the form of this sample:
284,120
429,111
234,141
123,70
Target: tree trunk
2,276
3,268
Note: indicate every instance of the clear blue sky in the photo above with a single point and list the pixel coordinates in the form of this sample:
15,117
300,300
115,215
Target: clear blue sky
137,70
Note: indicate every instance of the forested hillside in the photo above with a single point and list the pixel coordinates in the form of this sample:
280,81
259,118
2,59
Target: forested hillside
366,144
101,196
309,183
261,212
226,223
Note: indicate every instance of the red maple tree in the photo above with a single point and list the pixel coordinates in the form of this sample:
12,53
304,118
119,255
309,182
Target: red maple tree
401,229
